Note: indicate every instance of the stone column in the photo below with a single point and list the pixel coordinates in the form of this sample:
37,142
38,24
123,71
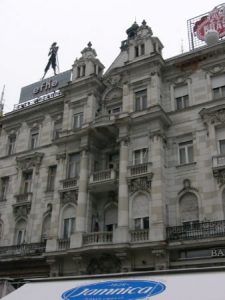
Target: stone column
76,238
121,233
52,243
157,218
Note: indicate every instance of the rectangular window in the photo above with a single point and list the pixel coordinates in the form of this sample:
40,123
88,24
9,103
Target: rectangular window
26,182
136,50
56,130
186,154
114,111
140,156
181,97
141,100
4,188
74,165
34,138
77,120
51,178
141,223
222,146
142,49
11,144
68,227
218,86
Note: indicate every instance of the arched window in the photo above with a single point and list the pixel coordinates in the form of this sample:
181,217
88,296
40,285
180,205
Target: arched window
46,227
20,232
68,221
110,217
140,212
189,211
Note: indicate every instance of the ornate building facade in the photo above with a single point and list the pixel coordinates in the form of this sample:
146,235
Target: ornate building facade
116,172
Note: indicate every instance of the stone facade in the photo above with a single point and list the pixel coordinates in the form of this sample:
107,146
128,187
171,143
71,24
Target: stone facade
123,171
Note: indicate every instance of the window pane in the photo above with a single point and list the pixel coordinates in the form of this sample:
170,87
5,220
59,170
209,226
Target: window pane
137,157
222,146
186,101
182,155
216,93
190,154
179,103
137,223
146,223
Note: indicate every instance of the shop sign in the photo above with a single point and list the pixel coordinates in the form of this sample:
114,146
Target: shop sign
217,252
116,290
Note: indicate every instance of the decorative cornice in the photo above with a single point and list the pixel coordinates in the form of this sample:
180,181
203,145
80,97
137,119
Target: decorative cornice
61,156
30,161
214,114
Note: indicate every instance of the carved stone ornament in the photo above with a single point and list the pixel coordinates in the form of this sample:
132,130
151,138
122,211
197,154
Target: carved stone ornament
213,115
69,197
220,176
61,156
187,187
141,183
21,210
30,161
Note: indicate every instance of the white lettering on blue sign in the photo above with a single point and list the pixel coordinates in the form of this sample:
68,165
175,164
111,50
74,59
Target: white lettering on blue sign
120,290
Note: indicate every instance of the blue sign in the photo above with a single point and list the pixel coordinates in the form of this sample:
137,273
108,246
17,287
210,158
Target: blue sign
115,290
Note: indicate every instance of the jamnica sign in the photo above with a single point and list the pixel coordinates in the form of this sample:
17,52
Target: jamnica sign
214,20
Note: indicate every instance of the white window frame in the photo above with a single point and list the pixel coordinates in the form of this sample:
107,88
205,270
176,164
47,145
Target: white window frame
26,182
186,147
181,96
78,119
143,152
34,135
69,228
4,188
141,221
73,165
51,178
141,98
218,86
11,144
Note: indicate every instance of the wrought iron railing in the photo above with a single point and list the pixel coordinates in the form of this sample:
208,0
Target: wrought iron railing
139,235
103,237
23,249
199,230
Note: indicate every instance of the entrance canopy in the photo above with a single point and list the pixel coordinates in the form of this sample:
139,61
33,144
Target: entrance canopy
170,286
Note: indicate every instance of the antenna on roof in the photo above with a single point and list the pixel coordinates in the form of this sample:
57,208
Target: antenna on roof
1,101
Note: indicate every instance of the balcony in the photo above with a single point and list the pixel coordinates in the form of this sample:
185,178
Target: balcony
22,198
22,250
201,230
140,169
139,235
63,244
94,238
102,176
70,183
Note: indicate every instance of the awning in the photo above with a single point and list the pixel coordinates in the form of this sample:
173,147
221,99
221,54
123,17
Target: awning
175,286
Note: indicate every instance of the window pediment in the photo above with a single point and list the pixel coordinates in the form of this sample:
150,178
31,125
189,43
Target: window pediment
30,161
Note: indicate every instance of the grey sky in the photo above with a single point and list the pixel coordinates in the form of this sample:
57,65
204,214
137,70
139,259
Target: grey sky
28,28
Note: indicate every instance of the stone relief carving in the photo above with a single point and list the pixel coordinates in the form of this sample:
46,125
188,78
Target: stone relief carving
141,183
21,210
30,161
68,197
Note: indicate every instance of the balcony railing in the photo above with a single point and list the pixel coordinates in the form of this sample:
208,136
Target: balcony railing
69,183
196,231
104,237
104,175
26,197
63,244
23,249
139,235
218,161
139,169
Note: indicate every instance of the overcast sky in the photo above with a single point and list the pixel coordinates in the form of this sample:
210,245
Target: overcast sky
29,27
